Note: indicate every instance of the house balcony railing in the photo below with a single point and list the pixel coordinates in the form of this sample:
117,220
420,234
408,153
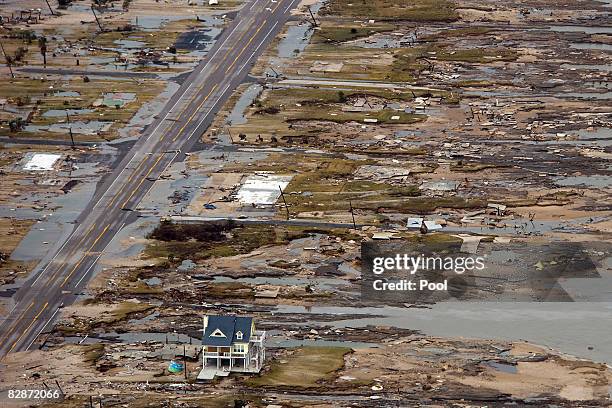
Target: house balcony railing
215,354
258,336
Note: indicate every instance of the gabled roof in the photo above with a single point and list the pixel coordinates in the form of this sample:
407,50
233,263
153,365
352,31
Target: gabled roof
221,330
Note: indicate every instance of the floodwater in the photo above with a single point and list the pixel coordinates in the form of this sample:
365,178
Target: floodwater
298,36
592,46
236,116
54,113
589,181
588,67
586,95
581,29
523,226
598,133
87,128
567,327
148,111
130,44
72,94
296,40
503,367
151,23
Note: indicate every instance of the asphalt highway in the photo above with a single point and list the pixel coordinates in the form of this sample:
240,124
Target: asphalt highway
184,119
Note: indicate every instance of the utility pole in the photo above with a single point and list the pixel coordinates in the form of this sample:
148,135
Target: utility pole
314,21
275,73
8,62
184,361
50,9
96,17
229,132
353,215
71,138
60,388
285,201
70,130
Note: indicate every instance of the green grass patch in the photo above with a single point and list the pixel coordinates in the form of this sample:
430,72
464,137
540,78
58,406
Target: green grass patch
339,34
478,55
91,352
414,10
410,61
123,310
234,241
305,367
325,188
322,96
240,239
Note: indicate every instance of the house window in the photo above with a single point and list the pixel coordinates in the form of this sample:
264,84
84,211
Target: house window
217,333
239,348
238,335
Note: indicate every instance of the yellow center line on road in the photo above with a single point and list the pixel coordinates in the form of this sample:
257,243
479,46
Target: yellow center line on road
8,333
275,7
116,196
85,255
141,181
28,329
245,47
81,241
194,112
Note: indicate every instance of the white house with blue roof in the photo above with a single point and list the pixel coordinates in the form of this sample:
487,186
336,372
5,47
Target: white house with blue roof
231,344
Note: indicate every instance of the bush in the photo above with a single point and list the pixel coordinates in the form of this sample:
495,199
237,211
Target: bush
168,231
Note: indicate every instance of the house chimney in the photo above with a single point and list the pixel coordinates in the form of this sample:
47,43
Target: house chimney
204,322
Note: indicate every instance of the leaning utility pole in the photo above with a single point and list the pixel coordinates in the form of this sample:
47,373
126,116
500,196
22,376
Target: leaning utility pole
275,73
353,214
50,9
314,21
71,138
96,17
8,61
60,388
285,201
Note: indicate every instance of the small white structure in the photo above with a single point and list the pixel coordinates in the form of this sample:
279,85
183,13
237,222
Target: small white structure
40,161
418,223
262,189
213,2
